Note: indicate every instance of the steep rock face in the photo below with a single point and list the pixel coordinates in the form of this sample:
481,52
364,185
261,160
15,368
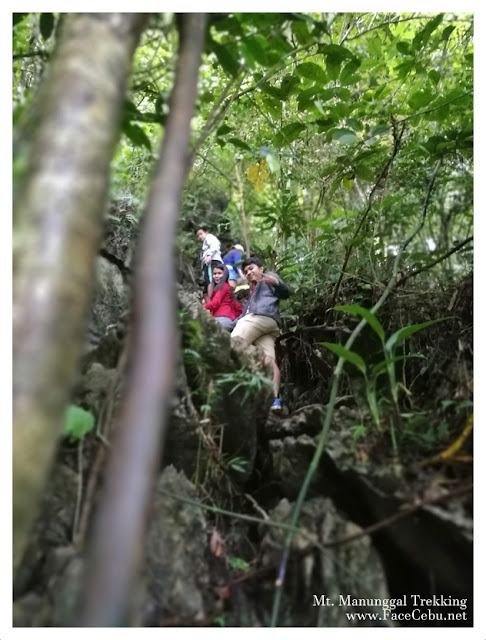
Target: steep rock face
52,530
176,566
69,492
240,387
113,267
222,439
332,572
414,561
110,298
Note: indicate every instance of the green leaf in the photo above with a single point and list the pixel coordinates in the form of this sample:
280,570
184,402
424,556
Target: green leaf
364,172
306,97
324,123
231,25
374,46
273,105
336,51
46,25
226,59
348,183
349,69
379,130
403,47
329,169
420,99
223,129
18,17
348,355
137,135
333,67
289,133
344,136
301,32
279,45
383,364
77,422
312,71
404,68
271,90
358,430
447,32
131,113
354,79
288,85
239,564
239,143
355,124
371,319
423,36
255,45
405,332
273,162
434,76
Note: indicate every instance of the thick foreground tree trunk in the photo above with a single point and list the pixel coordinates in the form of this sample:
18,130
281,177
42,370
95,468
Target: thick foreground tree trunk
57,232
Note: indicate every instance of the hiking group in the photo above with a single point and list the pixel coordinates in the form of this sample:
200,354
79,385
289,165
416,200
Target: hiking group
229,280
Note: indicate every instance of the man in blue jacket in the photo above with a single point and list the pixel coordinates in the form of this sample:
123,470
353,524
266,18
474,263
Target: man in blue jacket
260,319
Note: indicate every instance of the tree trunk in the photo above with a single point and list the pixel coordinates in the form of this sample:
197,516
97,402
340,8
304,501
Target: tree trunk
244,222
58,220
121,524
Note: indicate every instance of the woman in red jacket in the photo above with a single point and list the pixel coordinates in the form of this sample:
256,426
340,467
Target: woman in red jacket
222,306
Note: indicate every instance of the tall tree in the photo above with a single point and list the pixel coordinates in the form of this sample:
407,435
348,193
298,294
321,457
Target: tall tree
58,216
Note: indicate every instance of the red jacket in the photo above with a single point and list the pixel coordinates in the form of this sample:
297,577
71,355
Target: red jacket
222,304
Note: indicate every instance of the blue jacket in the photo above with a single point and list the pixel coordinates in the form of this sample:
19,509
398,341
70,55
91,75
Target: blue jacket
232,258
265,298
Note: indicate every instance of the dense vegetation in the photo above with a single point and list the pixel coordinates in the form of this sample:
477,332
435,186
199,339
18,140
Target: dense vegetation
339,147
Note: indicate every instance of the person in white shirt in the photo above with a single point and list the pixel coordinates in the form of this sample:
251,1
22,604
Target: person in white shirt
210,256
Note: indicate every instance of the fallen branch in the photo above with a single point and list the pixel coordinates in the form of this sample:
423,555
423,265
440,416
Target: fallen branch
314,329
402,513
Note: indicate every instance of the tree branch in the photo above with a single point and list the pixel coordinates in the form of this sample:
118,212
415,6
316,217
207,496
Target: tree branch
31,54
414,273
405,511
120,527
213,117
217,169
347,255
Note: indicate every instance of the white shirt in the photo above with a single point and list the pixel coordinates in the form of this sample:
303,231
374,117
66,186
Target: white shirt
211,247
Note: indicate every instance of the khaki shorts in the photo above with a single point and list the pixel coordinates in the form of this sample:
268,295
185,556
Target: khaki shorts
262,331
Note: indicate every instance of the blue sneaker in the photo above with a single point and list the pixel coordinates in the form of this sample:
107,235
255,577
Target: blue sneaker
276,406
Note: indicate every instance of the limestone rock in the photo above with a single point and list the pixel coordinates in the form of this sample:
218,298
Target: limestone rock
176,570
353,568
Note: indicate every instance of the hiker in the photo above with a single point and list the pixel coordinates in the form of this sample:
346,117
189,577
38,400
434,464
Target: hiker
260,320
222,306
242,293
230,259
210,252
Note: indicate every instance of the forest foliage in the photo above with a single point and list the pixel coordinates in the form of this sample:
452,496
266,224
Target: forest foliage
326,143
337,146
310,122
